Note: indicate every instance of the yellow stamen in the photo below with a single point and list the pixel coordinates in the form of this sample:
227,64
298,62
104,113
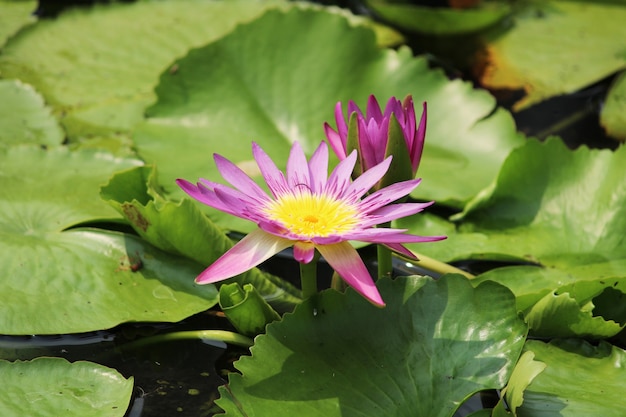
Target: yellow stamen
310,215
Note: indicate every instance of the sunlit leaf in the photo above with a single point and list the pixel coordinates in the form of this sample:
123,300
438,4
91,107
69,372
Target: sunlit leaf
556,47
13,16
525,371
549,204
98,66
57,280
613,116
579,380
51,387
433,346
24,118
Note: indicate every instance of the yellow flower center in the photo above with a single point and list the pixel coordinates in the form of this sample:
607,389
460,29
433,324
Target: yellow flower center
313,215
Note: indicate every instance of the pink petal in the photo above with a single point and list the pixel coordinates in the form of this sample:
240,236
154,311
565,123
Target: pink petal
364,182
393,212
318,168
250,251
418,143
335,142
387,195
346,261
202,194
303,252
387,235
297,168
238,179
368,142
339,179
373,109
273,177
342,126
397,247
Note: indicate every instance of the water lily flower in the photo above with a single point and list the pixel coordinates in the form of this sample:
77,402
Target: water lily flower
309,210
378,135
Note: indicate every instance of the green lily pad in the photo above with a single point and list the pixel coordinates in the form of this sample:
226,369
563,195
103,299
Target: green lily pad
439,21
525,371
13,16
66,281
338,355
556,47
24,118
613,115
181,228
579,380
273,83
564,209
101,78
51,387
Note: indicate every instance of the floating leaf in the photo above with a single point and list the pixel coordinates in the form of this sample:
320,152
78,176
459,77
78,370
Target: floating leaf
556,47
181,228
525,371
579,380
24,118
81,279
101,78
13,16
439,21
562,208
232,92
50,387
613,116
433,346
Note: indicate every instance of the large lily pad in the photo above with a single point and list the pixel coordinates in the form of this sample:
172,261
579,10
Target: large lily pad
579,380
556,47
433,346
101,77
549,204
64,281
13,16
562,209
52,387
239,89
24,118
613,116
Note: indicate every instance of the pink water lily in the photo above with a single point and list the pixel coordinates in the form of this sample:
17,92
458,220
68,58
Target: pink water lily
373,133
309,210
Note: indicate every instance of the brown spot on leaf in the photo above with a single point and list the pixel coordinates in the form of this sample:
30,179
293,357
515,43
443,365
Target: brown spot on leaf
135,217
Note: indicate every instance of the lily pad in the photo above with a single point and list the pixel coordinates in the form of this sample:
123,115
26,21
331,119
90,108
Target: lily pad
81,279
24,118
51,387
439,21
613,116
579,380
271,82
13,16
101,78
448,340
549,204
556,47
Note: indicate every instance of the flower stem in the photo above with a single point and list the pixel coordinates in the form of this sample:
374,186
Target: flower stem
437,266
308,277
219,335
385,266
